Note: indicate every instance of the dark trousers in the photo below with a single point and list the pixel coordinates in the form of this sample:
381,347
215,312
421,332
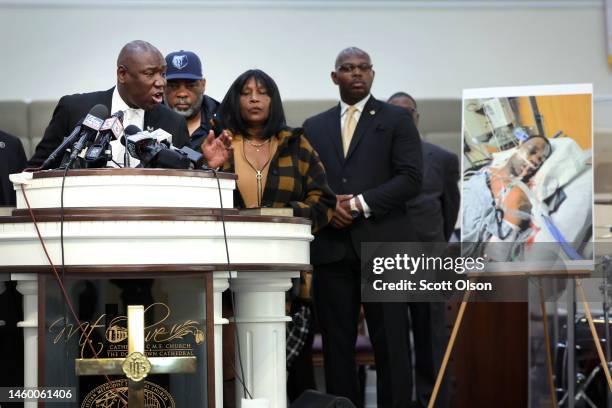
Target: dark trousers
428,322
11,338
337,298
300,375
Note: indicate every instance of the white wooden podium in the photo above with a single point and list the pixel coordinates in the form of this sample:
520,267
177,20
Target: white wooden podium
154,220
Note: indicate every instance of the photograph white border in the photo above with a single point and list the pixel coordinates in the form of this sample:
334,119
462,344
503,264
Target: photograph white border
535,90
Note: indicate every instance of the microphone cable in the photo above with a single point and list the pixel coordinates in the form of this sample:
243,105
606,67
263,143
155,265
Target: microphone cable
240,378
59,279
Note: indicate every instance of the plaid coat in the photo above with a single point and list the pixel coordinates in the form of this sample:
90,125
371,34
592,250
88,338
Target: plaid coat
296,178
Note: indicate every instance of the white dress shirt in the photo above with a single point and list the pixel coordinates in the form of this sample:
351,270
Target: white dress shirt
131,116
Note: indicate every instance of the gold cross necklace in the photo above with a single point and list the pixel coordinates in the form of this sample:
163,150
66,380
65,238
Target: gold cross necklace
258,172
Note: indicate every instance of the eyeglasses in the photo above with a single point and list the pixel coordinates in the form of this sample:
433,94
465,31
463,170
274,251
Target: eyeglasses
347,68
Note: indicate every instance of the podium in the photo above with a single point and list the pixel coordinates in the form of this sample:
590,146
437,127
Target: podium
149,223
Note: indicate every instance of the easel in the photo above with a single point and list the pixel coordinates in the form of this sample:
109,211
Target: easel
576,273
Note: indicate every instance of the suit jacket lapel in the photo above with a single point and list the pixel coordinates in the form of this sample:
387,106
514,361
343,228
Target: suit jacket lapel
336,132
108,99
365,121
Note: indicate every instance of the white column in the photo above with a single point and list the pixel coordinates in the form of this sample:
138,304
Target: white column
27,285
260,323
220,285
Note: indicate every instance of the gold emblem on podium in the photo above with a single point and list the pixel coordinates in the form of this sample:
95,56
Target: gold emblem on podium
115,393
116,334
199,336
138,365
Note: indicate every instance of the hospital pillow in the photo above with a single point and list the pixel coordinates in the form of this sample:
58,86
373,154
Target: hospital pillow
566,162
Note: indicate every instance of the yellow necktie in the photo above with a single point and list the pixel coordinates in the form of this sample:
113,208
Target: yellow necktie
349,128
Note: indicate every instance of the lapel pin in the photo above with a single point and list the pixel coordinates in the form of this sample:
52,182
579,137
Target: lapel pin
2,145
372,112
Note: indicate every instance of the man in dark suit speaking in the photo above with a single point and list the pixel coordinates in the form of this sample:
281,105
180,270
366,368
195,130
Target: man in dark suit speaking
141,71
372,155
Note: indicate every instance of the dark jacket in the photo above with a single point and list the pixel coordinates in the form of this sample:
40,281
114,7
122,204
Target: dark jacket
433,213
384,163
296,178
209,108
12,160
72,108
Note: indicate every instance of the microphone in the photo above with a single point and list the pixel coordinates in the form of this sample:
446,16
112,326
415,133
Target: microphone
51,161
152,153
91,124
130,130
99,154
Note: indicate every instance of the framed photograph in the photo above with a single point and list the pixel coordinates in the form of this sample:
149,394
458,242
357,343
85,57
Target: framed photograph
527,176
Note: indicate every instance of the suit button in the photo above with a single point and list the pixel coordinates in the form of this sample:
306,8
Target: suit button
344,180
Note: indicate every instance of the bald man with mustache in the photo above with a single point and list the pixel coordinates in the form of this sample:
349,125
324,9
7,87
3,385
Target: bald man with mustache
139,91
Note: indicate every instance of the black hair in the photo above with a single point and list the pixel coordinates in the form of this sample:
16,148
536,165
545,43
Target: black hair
229,111
402,95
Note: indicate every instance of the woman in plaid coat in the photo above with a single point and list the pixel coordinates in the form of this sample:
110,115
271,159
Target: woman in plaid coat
276,165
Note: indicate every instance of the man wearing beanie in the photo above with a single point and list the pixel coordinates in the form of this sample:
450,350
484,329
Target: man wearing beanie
185,95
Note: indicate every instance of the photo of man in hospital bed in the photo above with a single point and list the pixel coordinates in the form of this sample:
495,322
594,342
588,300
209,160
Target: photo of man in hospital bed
523,185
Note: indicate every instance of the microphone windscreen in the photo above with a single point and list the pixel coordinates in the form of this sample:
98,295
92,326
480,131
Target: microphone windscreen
100,111
129,131
132,130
